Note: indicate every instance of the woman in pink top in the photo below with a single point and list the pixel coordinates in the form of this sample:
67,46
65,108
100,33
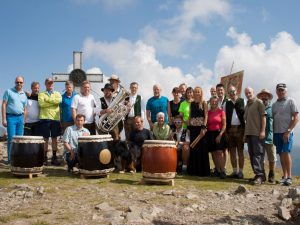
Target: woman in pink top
216,126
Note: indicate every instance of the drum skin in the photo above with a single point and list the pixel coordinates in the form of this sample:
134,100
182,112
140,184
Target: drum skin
94,153
159,157
27,151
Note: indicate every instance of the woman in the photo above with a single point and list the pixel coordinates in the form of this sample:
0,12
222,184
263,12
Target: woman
198,161
184,108
174,106
216,126
161,130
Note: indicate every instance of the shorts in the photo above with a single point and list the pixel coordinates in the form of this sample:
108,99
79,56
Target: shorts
235,137
282,147
212,145
271,153
49,128
31,129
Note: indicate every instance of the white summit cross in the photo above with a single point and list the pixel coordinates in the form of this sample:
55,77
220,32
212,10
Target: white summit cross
77,75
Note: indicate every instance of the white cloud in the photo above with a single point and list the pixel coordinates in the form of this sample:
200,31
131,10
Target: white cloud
265,64
137,62
172,35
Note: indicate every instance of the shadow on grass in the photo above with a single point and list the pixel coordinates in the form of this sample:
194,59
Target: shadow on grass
124,181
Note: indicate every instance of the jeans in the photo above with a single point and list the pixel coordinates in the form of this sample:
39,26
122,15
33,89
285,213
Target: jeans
15,126
257,154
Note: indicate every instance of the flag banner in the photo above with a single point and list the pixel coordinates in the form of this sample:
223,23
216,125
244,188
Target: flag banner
235,79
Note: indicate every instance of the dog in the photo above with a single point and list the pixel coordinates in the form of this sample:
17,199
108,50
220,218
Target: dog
127,156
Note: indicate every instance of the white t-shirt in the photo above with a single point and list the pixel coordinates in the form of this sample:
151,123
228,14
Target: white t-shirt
33,111
85,105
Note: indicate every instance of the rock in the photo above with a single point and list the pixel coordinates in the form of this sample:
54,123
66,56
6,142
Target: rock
191,196
294,192
134,217
238,210
20,193
296,201
188,209
24,187
244,222
168,192
223,195
104,207
295,213
28,194
156,210
275,192
284,213
40,190
250,195
241,190
286,202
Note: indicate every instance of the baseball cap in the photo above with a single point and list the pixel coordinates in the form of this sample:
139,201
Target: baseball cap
281,86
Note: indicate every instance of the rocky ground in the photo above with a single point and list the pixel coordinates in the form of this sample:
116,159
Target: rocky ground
57,197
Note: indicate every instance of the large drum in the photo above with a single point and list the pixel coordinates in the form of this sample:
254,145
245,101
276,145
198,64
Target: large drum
94,155
159,159
27,154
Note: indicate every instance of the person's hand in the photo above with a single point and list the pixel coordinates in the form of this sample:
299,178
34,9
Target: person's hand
202,132
72,156
85,134
28,94
4,123
108,111
262,135
218,139
286,137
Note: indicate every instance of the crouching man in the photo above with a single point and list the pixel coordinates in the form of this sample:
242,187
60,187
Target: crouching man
70,140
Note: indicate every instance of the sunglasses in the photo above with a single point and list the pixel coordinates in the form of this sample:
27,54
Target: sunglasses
19,82
177,121
231,92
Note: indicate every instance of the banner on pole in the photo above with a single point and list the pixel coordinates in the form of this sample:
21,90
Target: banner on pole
235,79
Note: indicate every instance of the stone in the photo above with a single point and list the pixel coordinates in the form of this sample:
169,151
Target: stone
238,210
275,192
188,209
40,190
284,213
250,195
28,194
286,202
104,207
294,192
244,222
241,190
20,193
23,187
223,195
191,196
168,192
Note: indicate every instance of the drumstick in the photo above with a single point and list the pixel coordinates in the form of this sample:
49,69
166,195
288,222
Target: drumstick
198,138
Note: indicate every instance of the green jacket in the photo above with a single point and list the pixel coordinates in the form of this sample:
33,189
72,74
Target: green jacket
49,105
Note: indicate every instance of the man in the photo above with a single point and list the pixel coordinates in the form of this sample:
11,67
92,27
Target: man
213,91
14,112
285,115
235,128
156,104
65,106
182,89
106,101
138,136
255,119
70,140
161,130
266,96
49,101
115,83
221,95
33,110
85,104
137,108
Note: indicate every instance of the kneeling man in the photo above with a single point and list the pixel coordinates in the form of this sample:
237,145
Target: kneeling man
70,140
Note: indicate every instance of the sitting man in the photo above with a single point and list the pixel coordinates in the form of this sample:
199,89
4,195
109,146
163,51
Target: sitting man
182,138
161,130
70,139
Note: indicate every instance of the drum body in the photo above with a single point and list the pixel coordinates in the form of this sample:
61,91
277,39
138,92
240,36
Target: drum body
27,154
159,159
94,155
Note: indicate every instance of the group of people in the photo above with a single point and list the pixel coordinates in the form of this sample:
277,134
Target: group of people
218,126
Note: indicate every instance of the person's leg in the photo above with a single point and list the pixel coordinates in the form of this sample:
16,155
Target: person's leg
185,154
233,160
20,125
11,131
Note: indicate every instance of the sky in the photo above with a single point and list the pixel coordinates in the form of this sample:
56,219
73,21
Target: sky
159,41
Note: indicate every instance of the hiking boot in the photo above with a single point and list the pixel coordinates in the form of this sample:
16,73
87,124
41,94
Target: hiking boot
288,181
233,175
240,175
271,177
257,181
215,173
54,161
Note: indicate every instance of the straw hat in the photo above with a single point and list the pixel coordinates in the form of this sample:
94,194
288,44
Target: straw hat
114,77
265,91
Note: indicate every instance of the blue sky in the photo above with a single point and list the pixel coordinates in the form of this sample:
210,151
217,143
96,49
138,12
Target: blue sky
167,42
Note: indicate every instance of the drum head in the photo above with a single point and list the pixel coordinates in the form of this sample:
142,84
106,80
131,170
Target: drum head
158,143
28,137
95,138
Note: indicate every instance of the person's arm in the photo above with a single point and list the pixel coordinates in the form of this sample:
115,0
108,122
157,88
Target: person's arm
43,100
203,131
218,139
148,115
55,98
25,114
143,107
294,121
169,113
4,122
74,113
262,132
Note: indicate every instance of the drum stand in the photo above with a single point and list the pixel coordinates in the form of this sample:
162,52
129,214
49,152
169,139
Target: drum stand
146,180
30,172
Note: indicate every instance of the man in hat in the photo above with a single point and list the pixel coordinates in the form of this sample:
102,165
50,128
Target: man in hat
115,83
255,119
266,96
85,104
106,101
285,115
14,111
49,101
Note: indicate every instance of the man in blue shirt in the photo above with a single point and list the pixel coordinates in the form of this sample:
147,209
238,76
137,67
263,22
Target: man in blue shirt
70,140
65,106
156,104
14,111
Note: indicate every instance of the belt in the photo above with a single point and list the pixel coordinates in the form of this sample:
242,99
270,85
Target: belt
12,114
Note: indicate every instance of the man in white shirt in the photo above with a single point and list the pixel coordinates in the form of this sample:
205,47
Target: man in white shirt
137,108
85,104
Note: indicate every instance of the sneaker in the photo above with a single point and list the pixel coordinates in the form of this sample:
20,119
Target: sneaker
282,180
215,173
288,181
222,175
54,161
240,175
257,181
70,169
271,177
45,161
233,175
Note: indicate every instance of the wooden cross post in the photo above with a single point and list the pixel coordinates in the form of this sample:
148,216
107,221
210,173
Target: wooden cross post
77,75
